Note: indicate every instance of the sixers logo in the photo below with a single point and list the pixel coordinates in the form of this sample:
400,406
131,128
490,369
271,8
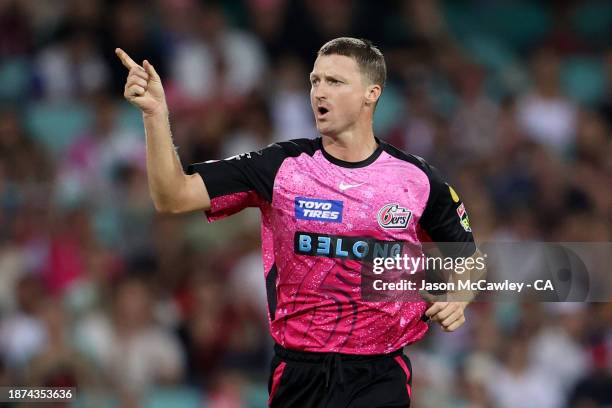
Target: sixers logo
392,216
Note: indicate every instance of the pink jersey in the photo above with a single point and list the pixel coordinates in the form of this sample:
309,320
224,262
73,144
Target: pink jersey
321,218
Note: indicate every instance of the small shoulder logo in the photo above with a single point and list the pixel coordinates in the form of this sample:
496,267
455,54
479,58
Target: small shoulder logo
393,216
453,194
244,155
463,218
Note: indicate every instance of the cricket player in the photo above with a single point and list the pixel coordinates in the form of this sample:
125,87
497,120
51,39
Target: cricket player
325,204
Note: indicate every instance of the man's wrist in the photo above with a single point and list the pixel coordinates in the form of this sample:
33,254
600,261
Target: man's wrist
158,113
463,296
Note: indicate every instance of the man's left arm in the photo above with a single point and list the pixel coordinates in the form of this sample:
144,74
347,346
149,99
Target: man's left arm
449,310
445,222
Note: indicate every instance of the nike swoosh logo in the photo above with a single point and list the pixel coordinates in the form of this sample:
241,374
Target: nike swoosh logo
344,187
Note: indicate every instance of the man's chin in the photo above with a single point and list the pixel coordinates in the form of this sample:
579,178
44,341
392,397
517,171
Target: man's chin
324,129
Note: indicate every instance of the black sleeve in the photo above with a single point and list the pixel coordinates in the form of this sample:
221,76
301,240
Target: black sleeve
245,180
254,171
445,218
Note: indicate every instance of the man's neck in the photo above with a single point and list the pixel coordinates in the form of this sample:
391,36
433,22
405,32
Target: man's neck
351,146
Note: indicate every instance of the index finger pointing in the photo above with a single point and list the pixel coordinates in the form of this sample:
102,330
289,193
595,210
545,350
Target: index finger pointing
125,59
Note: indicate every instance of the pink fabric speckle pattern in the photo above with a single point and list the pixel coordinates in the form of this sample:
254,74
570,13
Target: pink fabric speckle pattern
319,307
226,205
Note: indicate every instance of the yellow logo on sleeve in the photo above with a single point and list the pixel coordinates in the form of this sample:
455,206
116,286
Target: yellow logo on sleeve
453,194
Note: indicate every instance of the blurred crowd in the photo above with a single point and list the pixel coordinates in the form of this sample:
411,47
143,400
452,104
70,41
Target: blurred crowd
512,100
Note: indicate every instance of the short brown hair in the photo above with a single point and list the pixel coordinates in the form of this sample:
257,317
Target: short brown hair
370,60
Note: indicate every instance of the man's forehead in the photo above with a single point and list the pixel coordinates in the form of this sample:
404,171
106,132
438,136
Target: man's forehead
334,65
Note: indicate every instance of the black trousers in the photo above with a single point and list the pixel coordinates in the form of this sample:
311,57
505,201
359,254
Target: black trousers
301,379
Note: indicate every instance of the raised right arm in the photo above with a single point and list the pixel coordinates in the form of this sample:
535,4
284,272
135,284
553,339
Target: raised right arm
172,191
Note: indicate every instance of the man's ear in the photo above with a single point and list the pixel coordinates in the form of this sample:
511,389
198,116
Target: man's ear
373,94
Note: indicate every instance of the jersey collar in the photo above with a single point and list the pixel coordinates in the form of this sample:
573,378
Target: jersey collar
352,165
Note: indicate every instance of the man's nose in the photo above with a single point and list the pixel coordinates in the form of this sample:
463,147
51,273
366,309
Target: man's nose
320,92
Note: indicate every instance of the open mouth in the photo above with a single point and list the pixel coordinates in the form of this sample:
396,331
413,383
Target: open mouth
322,110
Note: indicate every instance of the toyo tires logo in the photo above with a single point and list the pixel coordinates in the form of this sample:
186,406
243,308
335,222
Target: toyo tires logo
393,216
